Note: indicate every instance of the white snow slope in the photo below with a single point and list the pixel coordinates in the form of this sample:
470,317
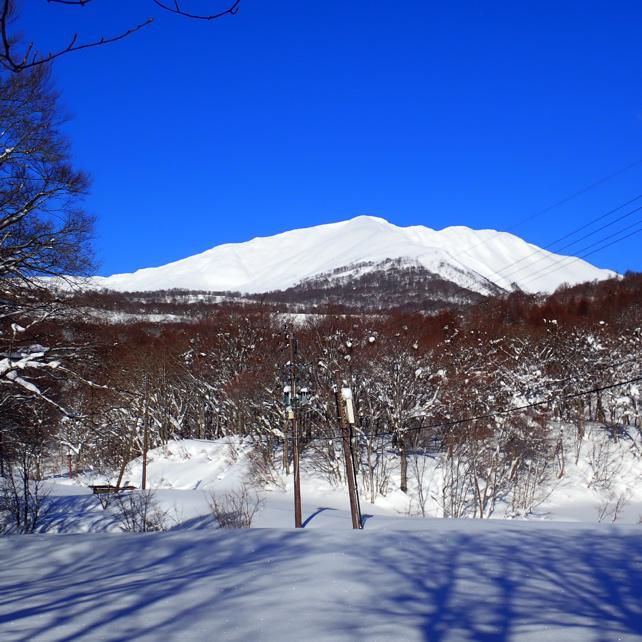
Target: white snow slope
470,258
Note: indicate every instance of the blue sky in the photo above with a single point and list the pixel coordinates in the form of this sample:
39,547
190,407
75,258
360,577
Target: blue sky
294,113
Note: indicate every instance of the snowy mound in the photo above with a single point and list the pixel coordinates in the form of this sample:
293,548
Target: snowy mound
474,259
192,464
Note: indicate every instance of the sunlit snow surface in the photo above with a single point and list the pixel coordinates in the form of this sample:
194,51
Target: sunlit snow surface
443,581
473,259
399,579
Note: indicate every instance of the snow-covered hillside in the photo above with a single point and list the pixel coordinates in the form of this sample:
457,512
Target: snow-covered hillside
400,578
479,260
602,484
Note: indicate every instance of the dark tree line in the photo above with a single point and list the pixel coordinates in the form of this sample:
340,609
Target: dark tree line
45,234
443,386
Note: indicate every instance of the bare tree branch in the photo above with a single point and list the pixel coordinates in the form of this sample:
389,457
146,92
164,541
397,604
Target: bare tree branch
73,2
30,58
178,10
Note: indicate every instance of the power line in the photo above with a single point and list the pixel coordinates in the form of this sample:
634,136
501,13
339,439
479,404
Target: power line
582,254
580,192
609,244
492,415
596,220
559,260
571,243
567,199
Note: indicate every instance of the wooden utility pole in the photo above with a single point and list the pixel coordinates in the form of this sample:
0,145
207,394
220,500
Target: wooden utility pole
347,452
295,435
145,434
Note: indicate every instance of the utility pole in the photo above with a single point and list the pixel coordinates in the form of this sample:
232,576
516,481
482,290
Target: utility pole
295,433
355,509
145,434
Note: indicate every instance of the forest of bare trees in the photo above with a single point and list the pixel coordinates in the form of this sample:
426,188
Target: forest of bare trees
45,233
490,388
500,394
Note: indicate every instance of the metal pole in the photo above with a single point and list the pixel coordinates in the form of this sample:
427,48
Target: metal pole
295,436
347,454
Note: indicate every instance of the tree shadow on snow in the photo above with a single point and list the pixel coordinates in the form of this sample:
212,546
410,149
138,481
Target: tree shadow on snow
151,586
504,585
318,511
447,585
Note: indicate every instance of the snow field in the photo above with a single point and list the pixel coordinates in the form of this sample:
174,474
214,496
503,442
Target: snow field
400,578
451,581
604,485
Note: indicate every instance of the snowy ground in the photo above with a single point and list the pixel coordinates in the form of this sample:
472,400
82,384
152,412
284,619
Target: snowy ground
401,578
448,581
183,475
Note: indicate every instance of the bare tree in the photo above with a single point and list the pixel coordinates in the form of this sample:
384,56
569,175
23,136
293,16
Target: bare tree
26,435
406,389
17,57
43,230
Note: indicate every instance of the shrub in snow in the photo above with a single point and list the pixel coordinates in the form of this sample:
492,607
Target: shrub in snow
611,508
266,468
236,509
138,512
22,502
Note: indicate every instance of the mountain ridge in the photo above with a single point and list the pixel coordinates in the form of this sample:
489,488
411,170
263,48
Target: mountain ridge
472,259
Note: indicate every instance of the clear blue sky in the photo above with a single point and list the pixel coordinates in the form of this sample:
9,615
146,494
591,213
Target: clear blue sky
295,113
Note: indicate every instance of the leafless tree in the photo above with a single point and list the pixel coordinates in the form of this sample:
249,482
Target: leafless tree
18,57
43,230
604,459
26,434
612,507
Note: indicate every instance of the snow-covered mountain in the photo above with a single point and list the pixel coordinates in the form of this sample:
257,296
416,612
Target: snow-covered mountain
478,260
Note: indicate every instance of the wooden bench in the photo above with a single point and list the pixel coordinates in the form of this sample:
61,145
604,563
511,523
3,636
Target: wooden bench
101,489
108,489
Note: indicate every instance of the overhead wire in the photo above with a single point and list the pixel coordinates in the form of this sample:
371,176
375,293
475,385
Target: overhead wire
570,244
567,199
510,266
583,253
490,415
580,192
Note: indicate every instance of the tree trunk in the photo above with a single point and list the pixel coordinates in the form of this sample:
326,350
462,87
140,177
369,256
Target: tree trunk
403,464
